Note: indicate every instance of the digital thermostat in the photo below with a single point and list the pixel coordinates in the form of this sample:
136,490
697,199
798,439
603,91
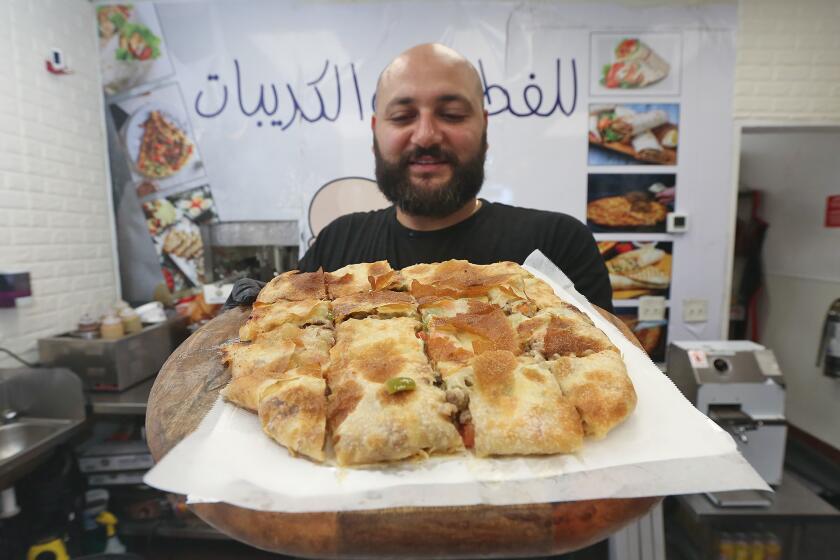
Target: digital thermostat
676,222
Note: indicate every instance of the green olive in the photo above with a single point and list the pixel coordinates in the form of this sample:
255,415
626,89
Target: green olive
400,384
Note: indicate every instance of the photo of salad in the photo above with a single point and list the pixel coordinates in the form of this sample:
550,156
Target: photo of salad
131,50
137,42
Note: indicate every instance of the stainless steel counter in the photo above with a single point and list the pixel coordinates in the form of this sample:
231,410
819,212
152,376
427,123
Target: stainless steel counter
791,499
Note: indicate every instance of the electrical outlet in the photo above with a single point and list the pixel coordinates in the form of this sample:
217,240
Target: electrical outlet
695,310
651,308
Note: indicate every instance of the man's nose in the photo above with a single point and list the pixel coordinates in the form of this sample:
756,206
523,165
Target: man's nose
426,132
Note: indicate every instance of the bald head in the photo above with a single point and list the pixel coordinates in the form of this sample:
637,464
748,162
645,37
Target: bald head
421,62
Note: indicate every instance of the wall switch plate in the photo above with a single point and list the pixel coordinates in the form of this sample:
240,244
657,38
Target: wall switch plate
695,310
651,308
676,222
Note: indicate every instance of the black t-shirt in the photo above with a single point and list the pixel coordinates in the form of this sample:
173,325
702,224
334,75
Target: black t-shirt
496,232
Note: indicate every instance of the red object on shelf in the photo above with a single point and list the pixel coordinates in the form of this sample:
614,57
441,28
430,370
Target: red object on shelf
832,211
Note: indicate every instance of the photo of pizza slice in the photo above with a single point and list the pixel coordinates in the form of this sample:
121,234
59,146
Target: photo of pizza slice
369,365
164,147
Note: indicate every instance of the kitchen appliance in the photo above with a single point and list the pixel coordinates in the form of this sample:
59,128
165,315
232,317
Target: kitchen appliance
257,249
829,351
114,365
739,385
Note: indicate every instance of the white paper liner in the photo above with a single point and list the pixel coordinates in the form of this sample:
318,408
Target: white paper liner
665,447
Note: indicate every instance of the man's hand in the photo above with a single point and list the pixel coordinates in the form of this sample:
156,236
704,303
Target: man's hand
245,291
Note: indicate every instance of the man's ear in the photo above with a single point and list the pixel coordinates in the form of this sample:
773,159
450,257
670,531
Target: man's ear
373,130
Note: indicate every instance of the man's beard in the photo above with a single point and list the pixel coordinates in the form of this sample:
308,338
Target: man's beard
433,202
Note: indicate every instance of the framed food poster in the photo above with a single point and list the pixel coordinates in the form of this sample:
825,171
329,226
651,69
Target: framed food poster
634,133
638,268
633,63
173,222
631,203
131,49
157,139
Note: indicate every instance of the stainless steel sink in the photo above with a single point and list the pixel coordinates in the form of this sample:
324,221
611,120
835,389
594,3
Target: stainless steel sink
41,408
29,434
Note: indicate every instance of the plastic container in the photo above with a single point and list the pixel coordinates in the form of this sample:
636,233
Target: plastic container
112,327
131,321
88,327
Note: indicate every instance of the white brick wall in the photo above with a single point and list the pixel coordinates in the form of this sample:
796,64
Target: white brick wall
787,66
54,209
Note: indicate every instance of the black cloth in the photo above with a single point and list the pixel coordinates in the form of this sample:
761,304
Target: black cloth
496,232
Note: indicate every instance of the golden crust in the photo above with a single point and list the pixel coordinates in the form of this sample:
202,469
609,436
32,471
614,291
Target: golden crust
363,277
384,303
599,387
517,407
498,363
293,412
294,286
368,424
299,313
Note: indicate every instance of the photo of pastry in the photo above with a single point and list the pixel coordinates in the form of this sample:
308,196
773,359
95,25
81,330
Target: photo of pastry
157,138
629,202
173,223
628,134
635,64
652,335
131,49
638,268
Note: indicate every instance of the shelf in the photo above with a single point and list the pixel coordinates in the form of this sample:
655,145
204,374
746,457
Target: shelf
189,528
132,401
791,499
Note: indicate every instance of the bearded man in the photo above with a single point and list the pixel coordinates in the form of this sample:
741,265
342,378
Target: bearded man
430,142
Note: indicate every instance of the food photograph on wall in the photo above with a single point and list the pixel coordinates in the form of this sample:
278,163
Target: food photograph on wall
639,64
131,48
633,133
156,137
629,203
173,223
638,268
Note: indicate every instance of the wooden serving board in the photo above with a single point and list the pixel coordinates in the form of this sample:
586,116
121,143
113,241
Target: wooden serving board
188,385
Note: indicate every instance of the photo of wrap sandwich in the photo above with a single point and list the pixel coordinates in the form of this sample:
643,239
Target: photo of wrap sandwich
636,65
638,268
631,133
632,203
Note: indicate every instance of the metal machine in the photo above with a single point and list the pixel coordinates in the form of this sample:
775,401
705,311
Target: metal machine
739,385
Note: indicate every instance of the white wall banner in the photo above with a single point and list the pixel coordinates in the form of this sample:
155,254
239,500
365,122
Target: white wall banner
615,115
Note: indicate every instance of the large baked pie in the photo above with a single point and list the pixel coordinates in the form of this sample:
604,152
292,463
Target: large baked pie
632,209
369,364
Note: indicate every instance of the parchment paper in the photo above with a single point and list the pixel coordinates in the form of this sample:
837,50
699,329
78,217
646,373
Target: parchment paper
665,447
